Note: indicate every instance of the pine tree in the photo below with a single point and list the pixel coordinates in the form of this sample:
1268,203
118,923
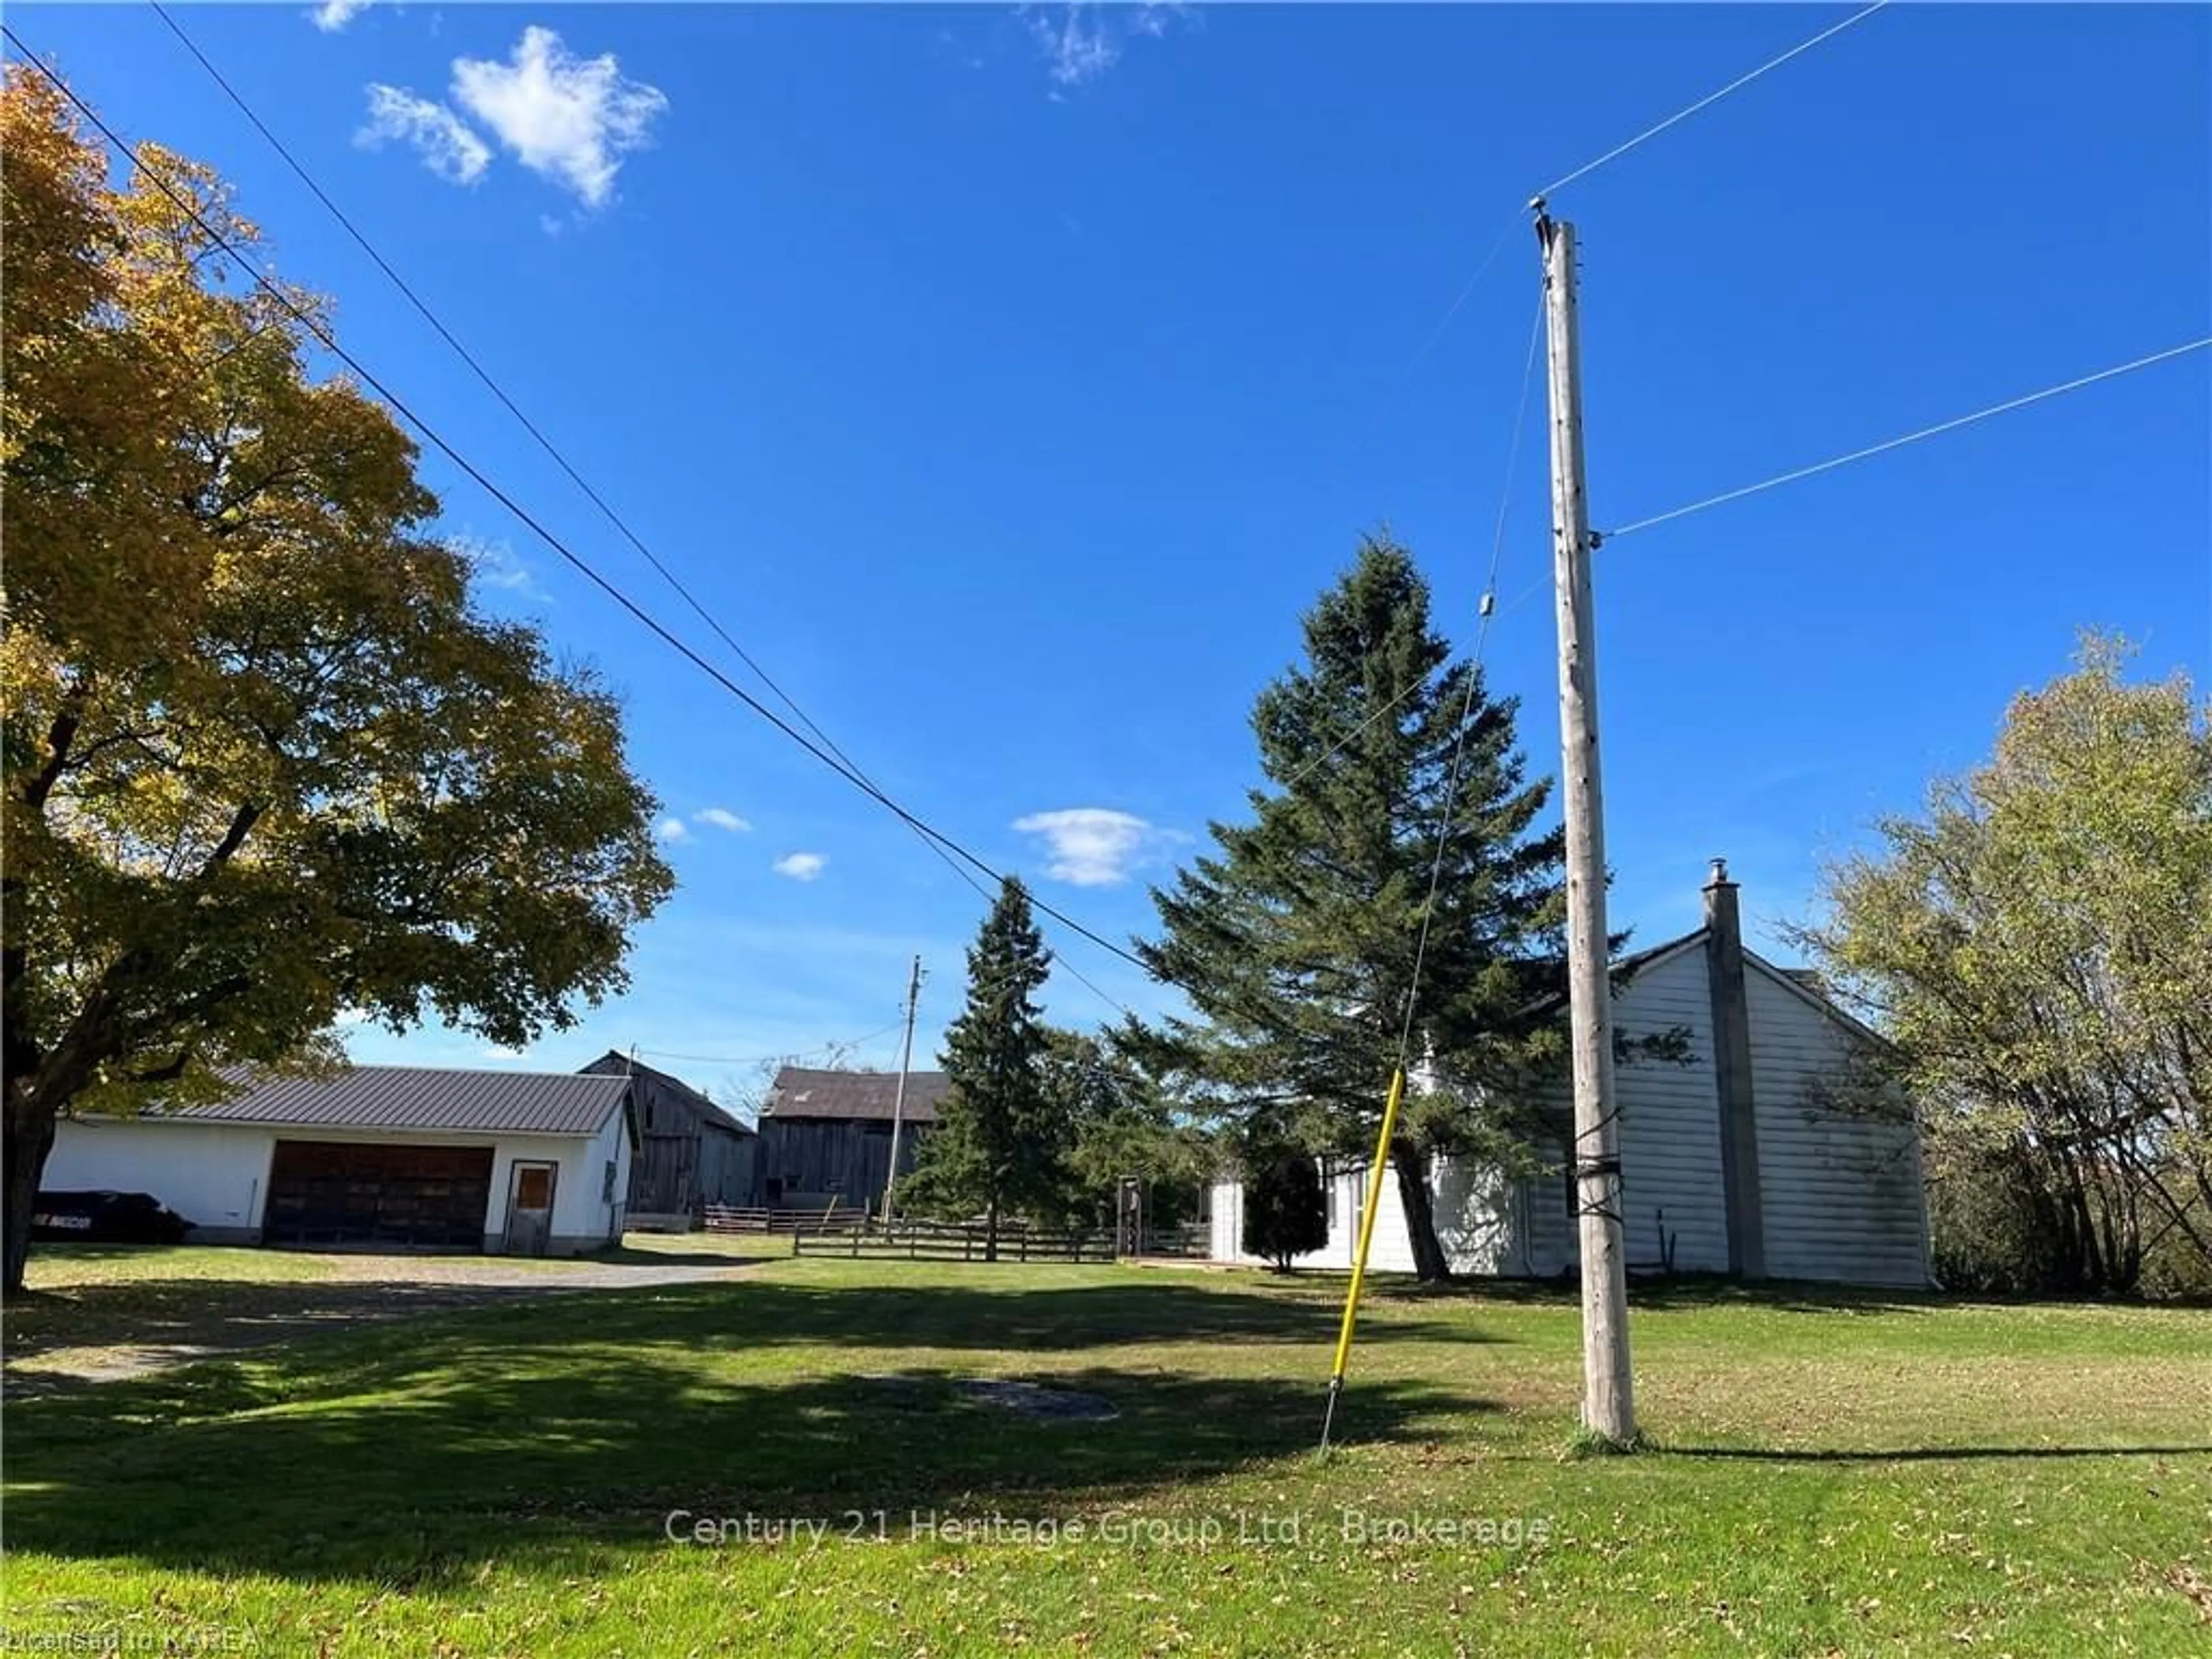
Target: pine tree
1295,937
1001,1135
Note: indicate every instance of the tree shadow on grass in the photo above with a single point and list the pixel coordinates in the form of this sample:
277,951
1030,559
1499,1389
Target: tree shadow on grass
415,1469
169,1320
1683,1293
980,1313
1923,1454
751,1250
128,1328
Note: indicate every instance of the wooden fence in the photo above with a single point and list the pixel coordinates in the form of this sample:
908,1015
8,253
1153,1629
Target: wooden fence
728,1218
917,1241
855,1233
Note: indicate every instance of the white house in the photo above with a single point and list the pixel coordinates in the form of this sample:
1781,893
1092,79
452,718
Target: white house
377,1155
1734,1163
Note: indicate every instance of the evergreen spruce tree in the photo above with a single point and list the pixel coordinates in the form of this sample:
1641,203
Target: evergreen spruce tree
1295,937
1001,1135
1285,1213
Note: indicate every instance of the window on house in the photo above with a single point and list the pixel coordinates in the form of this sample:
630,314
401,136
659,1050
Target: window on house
607,1183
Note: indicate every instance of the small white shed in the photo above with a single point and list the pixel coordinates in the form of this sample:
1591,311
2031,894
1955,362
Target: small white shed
1735,1162
377,1157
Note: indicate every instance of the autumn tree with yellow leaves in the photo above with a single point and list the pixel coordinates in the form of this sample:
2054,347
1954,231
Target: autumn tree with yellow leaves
264,762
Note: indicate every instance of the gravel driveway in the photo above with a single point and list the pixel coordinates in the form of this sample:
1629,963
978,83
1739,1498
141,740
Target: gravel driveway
108,1332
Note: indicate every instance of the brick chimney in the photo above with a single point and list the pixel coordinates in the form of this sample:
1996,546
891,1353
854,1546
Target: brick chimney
1739,1124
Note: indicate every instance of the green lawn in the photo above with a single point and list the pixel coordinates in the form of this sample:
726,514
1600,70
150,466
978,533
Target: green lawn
94,1304
1837,1475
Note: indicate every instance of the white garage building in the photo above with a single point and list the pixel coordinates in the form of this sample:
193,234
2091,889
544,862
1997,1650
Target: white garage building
377,1157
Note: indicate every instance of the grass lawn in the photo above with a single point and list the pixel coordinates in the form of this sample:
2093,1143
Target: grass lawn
98,1309
1838,1476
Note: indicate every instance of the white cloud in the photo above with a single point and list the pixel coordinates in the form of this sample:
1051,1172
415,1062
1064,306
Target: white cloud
671,829
447,145
1079,47
721,817
1093,846
502,1057
1079,42
1151,17
334,15
568,117
496,564
801,866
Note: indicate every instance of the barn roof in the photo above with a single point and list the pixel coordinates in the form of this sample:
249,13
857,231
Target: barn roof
420,1099
614,1063
799,1092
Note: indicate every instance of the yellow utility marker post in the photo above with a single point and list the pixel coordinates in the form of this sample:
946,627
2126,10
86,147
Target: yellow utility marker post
1359,1253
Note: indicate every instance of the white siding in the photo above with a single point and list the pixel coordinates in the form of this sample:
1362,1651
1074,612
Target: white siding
1340,1192
1391,1249
1545,1241
1225,1214
1842,1194
1473,1213
1670,1138
1670,1121
583,1217
214,1176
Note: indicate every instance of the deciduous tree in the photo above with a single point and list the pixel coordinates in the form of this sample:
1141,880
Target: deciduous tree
264,760
2036,943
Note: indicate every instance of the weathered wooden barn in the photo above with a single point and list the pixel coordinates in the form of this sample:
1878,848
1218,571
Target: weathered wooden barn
690,1152
1737,1162
825,1137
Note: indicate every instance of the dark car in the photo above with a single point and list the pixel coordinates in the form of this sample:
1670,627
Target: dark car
106,1218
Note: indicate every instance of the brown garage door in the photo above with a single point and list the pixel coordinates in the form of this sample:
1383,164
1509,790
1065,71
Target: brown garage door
324,1192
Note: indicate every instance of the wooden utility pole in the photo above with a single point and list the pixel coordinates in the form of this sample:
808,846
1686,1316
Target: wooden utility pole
898,1098
1608,1401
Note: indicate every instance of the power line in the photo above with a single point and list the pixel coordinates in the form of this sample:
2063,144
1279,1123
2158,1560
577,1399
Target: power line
528,425
1613,154
1467,705
561,460
764,1060
1084,981
1396,1095
1442,323
1908,438
522,514
1709,99
1490,582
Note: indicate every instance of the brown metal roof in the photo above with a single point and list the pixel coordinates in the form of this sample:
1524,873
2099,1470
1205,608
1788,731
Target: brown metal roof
423,1100
800,1093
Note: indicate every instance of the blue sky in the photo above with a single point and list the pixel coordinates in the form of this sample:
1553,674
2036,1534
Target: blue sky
1009,381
